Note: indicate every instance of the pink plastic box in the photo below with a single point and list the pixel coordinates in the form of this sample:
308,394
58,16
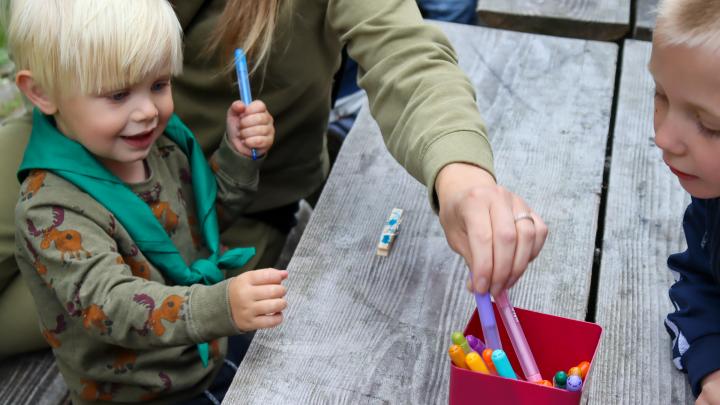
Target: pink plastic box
557,344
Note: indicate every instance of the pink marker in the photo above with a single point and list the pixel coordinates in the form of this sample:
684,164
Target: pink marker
517,337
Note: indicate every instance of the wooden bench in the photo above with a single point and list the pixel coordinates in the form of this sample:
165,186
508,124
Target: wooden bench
587,19
32,379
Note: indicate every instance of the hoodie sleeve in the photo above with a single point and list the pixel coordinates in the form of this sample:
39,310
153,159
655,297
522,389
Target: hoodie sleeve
695,324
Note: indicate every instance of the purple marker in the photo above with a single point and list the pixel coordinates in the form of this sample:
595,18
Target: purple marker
475,343
487,321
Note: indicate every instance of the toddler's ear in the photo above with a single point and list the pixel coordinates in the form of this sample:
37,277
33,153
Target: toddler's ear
32,90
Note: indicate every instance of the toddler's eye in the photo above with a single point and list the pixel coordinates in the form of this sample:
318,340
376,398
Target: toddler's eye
707,131
118,96
158,86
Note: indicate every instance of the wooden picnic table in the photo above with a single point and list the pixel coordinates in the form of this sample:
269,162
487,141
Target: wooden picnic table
367,329
589,19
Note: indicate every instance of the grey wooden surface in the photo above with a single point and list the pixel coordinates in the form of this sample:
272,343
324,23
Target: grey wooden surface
642,227
32,379
644,19
366,329
588,19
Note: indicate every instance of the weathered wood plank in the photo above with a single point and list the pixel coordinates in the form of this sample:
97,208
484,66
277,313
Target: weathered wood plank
588,19
642,227
367,329
644,19
31,379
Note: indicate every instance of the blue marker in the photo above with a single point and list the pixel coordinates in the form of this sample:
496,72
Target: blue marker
502,364
241,70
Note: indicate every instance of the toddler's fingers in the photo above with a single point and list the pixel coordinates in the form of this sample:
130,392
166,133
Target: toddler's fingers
260,130
269,307
268,321
268,291
257,142
256,106
267,276
251,120
238,107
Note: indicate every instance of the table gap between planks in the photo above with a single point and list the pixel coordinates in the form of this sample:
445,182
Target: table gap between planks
366,329
606,20
644,19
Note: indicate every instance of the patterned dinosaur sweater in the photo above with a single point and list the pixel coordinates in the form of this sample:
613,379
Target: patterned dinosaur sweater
120,332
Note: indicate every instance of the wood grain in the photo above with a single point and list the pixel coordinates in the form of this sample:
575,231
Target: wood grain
589,19
644,19
642,227
32,379
367,329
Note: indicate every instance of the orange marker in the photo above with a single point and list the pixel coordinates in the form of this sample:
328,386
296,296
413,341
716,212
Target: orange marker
487,356
476,363
545,383
584,368
575,371
457,356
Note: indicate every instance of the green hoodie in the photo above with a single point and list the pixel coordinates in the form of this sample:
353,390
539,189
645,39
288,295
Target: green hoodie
424,104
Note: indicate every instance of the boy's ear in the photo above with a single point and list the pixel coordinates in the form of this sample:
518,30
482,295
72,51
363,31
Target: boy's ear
32,90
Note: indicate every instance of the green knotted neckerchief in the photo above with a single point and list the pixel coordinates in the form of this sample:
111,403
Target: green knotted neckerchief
48,149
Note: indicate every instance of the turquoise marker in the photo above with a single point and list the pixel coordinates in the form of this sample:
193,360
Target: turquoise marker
502,364
241,70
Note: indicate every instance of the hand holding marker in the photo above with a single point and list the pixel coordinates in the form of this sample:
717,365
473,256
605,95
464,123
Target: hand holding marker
241,69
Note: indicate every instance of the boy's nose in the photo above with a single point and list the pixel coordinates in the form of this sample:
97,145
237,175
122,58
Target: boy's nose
669,137
145,111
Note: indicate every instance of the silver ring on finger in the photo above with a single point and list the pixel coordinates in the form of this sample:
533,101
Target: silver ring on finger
524,215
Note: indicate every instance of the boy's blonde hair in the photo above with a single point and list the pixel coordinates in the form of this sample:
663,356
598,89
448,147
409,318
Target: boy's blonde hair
93,46
693,23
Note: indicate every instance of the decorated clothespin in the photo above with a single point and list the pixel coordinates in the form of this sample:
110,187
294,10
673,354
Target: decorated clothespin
389,232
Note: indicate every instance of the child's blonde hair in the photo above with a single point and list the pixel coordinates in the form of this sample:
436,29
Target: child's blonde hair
693,23
93,46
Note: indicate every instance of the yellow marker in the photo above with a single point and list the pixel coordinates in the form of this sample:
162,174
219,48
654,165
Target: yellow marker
476,363
457,356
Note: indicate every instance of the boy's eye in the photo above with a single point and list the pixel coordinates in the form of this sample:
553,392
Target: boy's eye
158,86
118,96
705,130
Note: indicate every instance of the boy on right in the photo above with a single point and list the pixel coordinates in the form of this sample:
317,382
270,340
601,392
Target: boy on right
685,65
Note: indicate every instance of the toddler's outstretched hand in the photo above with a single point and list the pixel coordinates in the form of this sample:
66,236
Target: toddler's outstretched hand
257,299
710,394
250,127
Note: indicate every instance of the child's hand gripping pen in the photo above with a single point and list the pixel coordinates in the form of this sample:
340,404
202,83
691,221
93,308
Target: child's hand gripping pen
241,69
517,337
487,321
